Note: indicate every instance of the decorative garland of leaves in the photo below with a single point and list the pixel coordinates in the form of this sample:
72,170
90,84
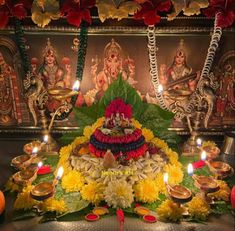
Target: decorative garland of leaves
20,40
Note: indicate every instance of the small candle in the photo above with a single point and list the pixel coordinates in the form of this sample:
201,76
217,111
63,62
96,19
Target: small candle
43,169
34,151
190,169
199,142
45,139
60,173
160,89
76,85
203,155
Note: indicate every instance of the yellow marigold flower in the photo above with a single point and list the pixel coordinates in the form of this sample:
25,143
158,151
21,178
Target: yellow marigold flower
198,208
73,181
148,134
169,210
52,204
223,193
160,183
159,143
146,191
119,193
175,173
136,123
65,152
87,132
93,192
24,200
209,143
11,186
99,122
79,140
172,155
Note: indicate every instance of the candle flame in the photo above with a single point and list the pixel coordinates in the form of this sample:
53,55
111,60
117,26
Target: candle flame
165,178
190,169
199,142
60,173
35,150
45,138
160,89
203,155
40,164
76,85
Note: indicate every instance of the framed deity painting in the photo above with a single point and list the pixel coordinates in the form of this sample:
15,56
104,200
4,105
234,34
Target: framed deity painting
53,53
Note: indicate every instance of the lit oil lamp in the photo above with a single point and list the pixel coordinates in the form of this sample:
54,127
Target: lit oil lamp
206,184
23,161
199,142
220,169
28,148
211,151
45,190
178,193
25,176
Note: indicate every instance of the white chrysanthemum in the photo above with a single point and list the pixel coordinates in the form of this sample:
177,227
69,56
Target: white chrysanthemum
119,194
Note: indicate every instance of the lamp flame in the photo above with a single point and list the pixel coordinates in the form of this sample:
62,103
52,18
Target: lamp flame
203,155
60,173
160,89
165,178
45,138
40,164
199,142
76,85
190,169
35,150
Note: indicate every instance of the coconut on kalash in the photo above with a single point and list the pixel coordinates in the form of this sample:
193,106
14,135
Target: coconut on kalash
118,161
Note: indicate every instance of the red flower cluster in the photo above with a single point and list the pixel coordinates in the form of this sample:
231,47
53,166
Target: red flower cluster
226,10
149,11
9,8
118,139
118,106
130,155
75,11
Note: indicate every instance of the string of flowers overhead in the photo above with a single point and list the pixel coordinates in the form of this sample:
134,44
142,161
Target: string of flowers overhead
150,11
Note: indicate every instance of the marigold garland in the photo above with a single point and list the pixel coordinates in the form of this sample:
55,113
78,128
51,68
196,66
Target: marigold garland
223,193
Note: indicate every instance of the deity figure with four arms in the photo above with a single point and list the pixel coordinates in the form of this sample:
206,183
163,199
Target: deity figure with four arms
6,98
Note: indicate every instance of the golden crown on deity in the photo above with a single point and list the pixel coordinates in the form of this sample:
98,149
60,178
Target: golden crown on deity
112,49
181,50
48,48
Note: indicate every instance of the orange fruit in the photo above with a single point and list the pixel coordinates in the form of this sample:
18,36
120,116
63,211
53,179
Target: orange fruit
2,202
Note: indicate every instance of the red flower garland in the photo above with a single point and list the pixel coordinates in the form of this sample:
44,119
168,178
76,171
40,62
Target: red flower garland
76,11
226,10
150,9
118,106
18,10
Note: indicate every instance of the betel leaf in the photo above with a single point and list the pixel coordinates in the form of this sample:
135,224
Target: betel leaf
121,89
74,202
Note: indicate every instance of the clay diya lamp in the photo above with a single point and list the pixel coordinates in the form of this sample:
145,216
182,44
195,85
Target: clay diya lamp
179,194
100,211
25,176
29,147
22,161
206,184
220,169
45,190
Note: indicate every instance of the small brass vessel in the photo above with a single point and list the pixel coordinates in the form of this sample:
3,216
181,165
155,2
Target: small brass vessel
179,194
25,176
28,148
61,94
42,191
206,183
22,161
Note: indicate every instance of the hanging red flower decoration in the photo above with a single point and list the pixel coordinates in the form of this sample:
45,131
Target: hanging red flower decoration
226,9
118,106
75,11
150,9
18,10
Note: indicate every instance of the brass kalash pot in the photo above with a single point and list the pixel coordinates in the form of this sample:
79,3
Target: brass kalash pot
228,149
